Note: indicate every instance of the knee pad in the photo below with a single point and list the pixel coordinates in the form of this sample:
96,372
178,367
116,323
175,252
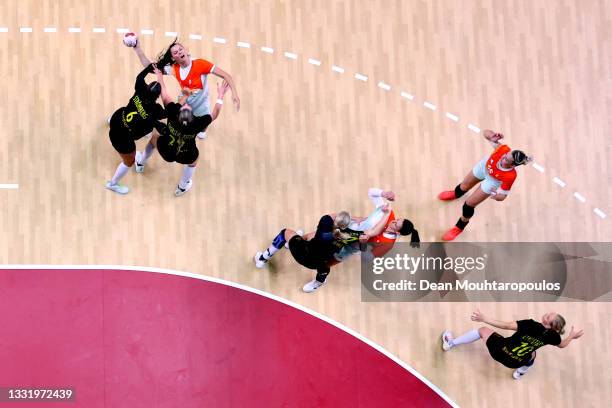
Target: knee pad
467,211
279,241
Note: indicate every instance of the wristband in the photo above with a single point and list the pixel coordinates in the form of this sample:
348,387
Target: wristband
219,101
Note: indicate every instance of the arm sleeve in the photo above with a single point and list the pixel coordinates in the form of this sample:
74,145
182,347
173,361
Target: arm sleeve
141,85
160,113
203,122
375,197
553,338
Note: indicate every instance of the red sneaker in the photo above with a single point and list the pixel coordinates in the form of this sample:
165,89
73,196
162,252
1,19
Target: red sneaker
452,233
447,195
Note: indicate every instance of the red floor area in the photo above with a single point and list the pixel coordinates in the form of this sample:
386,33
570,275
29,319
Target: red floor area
139,339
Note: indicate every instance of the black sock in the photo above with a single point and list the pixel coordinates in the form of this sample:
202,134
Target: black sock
458,191
461,224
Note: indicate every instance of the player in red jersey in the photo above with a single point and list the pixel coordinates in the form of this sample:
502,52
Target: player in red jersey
496,173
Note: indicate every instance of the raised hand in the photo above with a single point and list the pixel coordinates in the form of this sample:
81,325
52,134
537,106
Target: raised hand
477,316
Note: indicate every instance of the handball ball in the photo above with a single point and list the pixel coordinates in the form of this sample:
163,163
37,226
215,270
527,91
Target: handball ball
130,39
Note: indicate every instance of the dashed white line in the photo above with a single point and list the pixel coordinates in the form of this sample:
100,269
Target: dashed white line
559,182
474,128
3,29
243,44
25,29
291,55
74,30
219,40
337,69
9,186
452,117
195,36
601,214
313,61
267,50
98,30
171,34
50,30
123,30
361,77
384,86
146,31
407,95
538,167
579,197
429,105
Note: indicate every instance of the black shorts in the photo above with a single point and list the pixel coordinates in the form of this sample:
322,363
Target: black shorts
169,153
495,344
120,137
303,255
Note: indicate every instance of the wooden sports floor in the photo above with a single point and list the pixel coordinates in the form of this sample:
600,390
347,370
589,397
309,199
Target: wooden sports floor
309,140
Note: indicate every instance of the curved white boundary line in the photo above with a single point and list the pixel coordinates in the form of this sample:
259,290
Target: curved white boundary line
257,292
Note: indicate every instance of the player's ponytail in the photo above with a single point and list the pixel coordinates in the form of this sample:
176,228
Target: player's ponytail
165,57
185,117
408,229
520,158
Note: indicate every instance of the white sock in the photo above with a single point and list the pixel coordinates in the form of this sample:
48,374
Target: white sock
148,151
187,175
523,369
121,171
269,253
466,338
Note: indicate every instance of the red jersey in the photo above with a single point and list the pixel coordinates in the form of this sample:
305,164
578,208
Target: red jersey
193,80
506,177
383,242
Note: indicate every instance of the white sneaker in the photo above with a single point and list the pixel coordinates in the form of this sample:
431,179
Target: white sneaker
446,338
517,375
258,260
139,167
117,188
299,232
201,135
180,190
312,286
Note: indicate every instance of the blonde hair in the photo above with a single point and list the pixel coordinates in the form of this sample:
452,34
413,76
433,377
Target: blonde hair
558,324
342,220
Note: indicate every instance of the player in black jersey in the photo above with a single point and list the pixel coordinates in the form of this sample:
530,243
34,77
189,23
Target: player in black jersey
132,122
519,350
315,253
176,139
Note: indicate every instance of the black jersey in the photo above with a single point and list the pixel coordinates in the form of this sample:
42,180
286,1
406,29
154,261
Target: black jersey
182,138
141,113
517,349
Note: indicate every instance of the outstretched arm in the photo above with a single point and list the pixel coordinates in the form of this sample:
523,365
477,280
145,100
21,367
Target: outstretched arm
228,78
141,55
492,137
378,196
141,86
166,99
221,90
571,336
477,316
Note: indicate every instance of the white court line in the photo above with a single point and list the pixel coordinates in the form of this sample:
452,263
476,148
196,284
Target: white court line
361,77
474,128
268,50
171,34
337,69
243,44
579,197
559,182
9,186
259,292
50,30
291,55
195,36
313,61
98,30
145,31
407,95
25,29
452,117
538,167
3,29
74,29
601,214
219,40
429,105
384,86
123,30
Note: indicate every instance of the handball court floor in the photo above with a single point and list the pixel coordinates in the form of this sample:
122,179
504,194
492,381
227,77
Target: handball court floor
309,140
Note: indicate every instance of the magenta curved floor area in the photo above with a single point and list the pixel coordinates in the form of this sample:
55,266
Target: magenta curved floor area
139,339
